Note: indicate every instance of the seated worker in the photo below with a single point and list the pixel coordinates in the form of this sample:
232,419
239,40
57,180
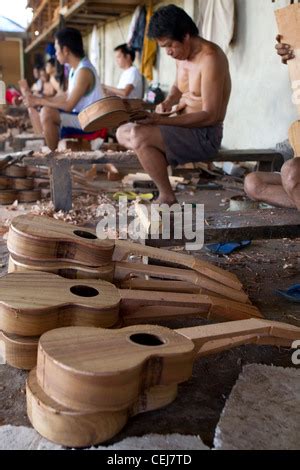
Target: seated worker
47,88
131,81
278,189
201,90
37,85
84,88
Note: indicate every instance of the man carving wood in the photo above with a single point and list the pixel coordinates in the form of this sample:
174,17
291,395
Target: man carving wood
199,97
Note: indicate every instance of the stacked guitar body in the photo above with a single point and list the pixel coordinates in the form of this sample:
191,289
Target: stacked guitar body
61,306
16,185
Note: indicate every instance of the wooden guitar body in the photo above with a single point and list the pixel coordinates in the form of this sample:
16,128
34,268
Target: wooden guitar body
18,351
35,302
63,269
108,112
84,374
112,112
44,239
20,184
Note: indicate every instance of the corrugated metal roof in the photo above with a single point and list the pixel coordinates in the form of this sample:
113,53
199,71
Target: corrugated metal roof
10,26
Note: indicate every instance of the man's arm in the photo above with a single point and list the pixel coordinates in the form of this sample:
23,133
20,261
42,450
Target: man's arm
122,92
212,89
66,102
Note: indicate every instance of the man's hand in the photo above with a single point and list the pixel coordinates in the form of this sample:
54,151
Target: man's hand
285,51
31,101
164,107
151,119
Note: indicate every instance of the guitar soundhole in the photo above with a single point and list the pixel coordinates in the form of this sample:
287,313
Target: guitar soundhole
83,234
145,339
84,291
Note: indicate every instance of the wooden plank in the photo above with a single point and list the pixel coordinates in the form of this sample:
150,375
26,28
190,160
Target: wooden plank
120,159
61,185
247,225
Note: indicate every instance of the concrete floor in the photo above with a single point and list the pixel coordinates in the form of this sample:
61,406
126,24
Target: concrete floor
264,267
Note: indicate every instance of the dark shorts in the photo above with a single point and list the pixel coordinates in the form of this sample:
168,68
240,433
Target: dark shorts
186,145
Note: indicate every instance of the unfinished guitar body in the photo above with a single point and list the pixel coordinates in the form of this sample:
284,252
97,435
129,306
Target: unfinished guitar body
17,351
64,269
74,428
85,374
111,112
294,138
43,239
41,243
15,171
36,302
20,184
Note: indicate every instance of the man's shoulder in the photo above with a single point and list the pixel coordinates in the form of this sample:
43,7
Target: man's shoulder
134,70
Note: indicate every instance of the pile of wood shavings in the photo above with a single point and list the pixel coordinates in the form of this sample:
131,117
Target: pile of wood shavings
85,209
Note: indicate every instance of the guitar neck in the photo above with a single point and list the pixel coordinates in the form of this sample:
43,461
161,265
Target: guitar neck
213,337
124,248
208,307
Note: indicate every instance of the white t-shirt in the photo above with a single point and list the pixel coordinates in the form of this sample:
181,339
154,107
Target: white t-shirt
132,77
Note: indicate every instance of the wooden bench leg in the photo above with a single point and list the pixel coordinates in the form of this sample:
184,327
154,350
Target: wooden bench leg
18,145
61,184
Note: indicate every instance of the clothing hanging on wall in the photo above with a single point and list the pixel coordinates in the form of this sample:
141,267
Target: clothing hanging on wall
137,39
216,21
133,23
149,49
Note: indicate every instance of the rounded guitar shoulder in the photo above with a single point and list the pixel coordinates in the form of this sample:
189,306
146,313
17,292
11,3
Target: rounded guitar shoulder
42,238
35,302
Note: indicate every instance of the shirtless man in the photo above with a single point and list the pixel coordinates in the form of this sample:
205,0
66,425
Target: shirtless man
84,88
279,189
201,92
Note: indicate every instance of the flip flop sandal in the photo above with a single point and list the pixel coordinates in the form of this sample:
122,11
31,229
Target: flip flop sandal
227,248
292,294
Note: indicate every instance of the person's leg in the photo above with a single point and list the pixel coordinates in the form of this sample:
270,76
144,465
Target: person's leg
149,146
268,187
123,135
50,119
290,175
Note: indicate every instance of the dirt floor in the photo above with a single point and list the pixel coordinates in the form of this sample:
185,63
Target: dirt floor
263,268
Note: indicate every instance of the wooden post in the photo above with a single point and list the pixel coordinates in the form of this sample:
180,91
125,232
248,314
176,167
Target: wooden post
61,184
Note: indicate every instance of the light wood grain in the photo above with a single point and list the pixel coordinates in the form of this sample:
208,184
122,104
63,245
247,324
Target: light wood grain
124,248
15,171
85,368
288,21
63,269
18,351
32,303
44,239
73,428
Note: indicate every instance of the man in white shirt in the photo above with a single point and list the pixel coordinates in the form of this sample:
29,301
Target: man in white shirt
131,81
